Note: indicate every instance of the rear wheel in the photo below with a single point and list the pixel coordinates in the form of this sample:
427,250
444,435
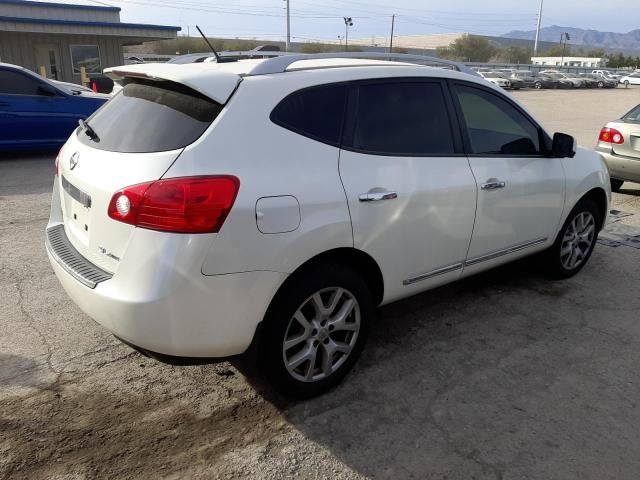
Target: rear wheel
315,331
616,184
600,84
575,242
626,83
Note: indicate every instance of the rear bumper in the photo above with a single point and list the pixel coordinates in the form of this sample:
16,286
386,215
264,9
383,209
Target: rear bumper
176,311
621,167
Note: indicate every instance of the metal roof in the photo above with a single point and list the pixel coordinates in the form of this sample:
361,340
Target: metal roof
28,3
78,23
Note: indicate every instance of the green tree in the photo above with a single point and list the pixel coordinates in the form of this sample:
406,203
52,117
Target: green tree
513,54
468,48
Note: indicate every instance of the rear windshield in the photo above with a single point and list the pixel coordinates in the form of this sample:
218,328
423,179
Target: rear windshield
633,116
150,116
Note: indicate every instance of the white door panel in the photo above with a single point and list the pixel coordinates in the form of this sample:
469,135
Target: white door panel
526,209
420,238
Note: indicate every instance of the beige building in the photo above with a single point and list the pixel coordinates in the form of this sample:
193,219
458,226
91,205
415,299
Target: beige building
64,37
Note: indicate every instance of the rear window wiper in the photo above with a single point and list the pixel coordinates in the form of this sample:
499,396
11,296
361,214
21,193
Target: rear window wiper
90,132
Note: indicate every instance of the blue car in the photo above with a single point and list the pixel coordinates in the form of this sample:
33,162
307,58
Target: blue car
38,114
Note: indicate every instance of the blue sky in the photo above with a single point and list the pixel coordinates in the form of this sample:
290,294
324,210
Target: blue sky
322,19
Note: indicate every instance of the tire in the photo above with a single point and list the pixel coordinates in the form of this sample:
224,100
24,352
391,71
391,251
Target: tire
538,85
616,184
600,84
575,242
626,83
315,333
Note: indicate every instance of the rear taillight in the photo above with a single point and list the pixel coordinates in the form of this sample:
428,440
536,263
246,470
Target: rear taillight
180,205
611,135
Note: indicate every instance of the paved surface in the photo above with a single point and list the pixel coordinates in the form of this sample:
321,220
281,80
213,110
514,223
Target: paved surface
504,376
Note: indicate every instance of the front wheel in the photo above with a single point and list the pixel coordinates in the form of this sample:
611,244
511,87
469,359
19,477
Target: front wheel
600,84
316,330
575,242
616,184
538,85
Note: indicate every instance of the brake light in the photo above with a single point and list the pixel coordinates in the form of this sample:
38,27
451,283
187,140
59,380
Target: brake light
180,205
611,135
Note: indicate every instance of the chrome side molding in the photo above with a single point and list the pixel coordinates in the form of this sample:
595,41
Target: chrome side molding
474,261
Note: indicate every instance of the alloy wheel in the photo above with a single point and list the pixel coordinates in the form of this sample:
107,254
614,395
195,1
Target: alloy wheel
321,334
577,240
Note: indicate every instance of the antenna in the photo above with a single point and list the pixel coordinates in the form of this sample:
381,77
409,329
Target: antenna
210,46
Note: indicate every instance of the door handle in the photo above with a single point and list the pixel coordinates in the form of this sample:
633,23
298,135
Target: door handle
493,184
377,196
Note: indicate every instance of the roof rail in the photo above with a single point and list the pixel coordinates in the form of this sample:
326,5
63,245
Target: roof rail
281,63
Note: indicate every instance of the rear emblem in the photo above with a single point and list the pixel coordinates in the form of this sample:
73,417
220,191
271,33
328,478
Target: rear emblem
73,161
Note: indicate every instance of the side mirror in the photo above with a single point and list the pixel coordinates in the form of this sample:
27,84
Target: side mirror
47,90
563,146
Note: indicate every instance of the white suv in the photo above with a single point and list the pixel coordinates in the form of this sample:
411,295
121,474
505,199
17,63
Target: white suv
207,208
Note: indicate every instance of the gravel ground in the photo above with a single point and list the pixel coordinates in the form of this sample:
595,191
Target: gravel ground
506,375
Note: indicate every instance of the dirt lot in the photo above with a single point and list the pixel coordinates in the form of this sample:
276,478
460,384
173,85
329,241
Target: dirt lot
506,375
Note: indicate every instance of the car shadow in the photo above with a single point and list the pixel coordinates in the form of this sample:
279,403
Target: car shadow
427,396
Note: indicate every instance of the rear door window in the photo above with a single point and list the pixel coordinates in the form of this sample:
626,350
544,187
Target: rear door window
150,116
315,112
402,118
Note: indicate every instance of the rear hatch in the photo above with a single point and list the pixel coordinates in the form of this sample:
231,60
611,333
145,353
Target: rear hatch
134,138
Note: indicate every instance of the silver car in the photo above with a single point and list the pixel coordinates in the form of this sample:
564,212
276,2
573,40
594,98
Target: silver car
619,144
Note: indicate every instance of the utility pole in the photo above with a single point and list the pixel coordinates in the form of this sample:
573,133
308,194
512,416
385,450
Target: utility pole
535,44
288,40
348,22
393,20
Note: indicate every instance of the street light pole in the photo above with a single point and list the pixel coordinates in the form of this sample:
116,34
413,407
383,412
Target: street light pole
348,22
564,46
535,44
288,41
393,21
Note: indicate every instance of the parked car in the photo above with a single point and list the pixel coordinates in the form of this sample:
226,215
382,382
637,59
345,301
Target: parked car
607,74
514,82
619,144
556,82
495,78
601,80
574,81
631,79
184,239
589,82
524,76
36,113
543,81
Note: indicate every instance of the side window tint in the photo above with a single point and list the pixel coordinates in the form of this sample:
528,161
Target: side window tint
15,83
494,126
402,118
316,112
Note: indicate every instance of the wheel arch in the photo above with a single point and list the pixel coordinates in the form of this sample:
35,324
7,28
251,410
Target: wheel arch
599,197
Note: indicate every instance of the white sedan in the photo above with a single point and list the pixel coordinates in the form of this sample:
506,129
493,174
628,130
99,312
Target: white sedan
633,79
